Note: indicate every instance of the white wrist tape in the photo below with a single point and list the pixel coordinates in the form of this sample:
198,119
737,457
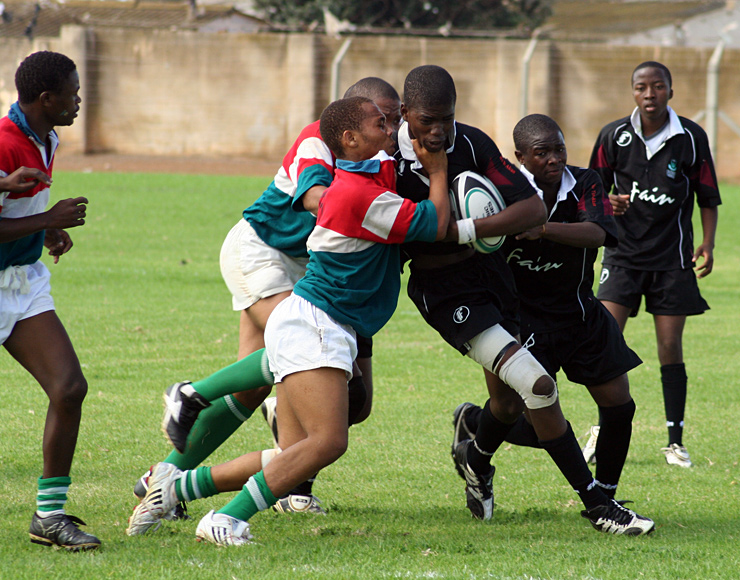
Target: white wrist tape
466,231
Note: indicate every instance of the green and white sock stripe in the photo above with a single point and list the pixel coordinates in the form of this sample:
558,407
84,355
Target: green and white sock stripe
195,484
254,497
236,408
52,493
253,489
265,367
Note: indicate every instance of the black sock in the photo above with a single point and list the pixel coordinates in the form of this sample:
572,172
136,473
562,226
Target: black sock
613,444
488,438
523,434
357,397
567,455
674,382
305,488
472,418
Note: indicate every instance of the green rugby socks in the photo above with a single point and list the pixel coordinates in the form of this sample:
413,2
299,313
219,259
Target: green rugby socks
254,497
214,425
251,372
52,495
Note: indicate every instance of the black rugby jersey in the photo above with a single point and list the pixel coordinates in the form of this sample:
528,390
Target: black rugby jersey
555,281
656,232
472,150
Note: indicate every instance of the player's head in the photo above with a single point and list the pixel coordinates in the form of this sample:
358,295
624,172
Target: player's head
51,80
355,129
652,89
384,95
540,147
653,64
429,99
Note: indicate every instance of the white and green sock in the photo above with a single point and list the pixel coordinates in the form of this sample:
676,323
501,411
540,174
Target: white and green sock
52,495
195,484
254,497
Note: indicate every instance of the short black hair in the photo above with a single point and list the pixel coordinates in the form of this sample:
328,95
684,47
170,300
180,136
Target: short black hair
653,64
530,127
428,85
338,117
372,88
40,72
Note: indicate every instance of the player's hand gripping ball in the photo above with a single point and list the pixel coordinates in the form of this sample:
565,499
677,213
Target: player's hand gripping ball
474,196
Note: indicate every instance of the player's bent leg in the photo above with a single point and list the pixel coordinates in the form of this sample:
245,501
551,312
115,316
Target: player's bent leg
41,345
317,401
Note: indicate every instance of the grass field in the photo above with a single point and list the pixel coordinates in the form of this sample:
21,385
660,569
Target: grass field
142,297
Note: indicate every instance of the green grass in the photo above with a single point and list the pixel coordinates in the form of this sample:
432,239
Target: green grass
142,297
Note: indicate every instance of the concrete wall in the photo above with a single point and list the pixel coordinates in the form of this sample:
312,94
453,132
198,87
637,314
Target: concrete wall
248,95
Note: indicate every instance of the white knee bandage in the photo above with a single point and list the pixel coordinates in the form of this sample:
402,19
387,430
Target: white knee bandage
487,348
268,455
521,371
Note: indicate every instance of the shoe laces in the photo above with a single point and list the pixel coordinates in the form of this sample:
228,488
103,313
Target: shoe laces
618,513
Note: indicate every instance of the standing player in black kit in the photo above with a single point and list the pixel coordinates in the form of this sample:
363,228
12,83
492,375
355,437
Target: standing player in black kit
563,325
657,163
470,299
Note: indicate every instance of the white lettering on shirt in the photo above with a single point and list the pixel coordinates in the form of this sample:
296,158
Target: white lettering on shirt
644,195
534,266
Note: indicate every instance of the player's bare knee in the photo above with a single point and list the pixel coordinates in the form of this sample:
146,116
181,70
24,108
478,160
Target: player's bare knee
544,386
67,394
332,448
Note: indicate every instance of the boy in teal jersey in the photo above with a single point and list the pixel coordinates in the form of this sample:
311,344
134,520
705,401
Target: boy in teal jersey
310,337
262,258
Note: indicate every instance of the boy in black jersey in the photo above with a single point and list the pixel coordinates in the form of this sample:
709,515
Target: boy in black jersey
470,299
563,325
656,163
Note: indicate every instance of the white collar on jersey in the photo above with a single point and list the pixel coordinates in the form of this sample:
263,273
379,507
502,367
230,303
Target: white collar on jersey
567,183
674,124
407,149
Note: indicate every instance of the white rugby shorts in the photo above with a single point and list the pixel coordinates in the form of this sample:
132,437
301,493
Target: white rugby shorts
301,337
25,291
253,270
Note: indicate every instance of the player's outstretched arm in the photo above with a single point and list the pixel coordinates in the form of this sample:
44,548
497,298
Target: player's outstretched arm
435,165
23,179
67,213
579,235
520,216
709,217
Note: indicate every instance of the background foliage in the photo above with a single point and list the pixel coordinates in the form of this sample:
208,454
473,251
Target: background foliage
477,14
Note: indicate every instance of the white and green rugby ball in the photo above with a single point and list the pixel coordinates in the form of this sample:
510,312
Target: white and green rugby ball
474,196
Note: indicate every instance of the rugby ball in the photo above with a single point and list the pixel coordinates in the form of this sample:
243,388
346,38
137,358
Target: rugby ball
474,196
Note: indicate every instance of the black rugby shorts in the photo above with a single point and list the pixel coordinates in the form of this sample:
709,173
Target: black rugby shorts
670,293
589,353
462,300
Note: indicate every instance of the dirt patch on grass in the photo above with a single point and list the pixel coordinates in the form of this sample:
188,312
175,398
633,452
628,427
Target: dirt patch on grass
152,164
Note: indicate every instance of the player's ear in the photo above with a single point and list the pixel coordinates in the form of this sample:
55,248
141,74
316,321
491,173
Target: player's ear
349,140
670,95
45,97
519,157
404,112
